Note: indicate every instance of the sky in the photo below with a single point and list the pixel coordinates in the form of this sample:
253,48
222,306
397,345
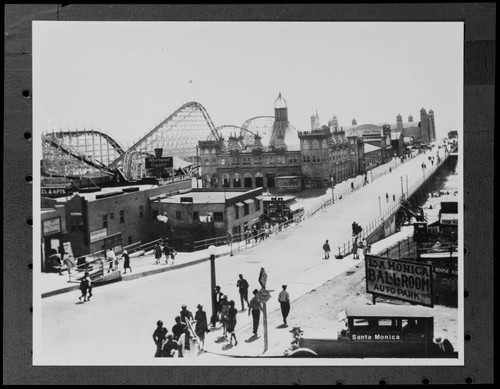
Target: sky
124,78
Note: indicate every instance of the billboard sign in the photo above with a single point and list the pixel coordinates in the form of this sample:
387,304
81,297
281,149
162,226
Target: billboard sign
51,226
403,280
55,191
98,235
159,162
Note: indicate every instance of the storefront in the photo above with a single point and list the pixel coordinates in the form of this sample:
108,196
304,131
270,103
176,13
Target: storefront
51,241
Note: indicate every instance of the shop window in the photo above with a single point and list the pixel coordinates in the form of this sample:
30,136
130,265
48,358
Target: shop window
112,216
178,215
196,216
155,215
218,217
246,208
105,221
122,216
257,205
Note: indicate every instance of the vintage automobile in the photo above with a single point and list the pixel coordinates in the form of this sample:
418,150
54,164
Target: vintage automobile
377,331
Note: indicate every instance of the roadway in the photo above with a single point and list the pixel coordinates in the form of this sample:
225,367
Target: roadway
116,326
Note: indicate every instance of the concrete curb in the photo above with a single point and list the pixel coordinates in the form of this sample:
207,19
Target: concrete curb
130,277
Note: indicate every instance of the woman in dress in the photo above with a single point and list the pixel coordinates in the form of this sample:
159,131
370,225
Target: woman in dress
231,322
201,326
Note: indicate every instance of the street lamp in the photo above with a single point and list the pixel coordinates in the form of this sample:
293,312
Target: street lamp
402,190
407,185
379,208
331,178
211,251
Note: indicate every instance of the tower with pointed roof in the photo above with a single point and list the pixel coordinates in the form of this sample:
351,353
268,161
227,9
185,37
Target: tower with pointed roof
424,126
315,121
399,122
283,134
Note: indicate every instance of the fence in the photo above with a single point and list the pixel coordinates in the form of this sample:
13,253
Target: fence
242,241
97,264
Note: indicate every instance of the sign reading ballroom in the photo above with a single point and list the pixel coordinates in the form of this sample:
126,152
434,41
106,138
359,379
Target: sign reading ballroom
403,280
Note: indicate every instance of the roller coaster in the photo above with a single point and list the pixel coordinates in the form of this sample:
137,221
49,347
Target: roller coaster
91,153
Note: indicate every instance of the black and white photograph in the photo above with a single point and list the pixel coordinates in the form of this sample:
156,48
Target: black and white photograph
248,193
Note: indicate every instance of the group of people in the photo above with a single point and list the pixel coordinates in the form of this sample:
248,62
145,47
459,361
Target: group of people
387,197
225,313
186,327
163,247
264,232
356,245
86,285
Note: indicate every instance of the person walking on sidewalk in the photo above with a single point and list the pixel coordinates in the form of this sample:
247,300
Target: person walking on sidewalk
224,309
231,323
242,286
355,247
326,249
126,262
158,253
217,298
159,337
255,307
387,197
83,288
186,316
173,253
90,284
284,300
166,251
201,326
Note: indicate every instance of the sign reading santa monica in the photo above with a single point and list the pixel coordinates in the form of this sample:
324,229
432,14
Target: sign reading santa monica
403,280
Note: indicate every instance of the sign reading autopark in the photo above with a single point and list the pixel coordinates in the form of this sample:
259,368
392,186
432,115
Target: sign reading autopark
403,280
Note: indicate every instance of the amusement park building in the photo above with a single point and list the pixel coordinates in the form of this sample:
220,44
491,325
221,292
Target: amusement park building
281,157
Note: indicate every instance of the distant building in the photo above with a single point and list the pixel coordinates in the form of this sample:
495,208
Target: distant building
281,158
115,217
252,160
200,214
53,229
327,154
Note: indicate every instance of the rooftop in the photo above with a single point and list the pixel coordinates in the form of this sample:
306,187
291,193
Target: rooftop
92,195
203,197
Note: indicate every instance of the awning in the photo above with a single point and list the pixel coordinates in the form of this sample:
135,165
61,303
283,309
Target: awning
249,201
294,207
239,204
259,197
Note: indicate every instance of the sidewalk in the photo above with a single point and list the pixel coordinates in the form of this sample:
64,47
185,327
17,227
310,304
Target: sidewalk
52,284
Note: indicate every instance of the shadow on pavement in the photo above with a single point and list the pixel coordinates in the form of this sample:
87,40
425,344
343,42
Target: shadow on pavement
251,339
283,326
227,346
221,339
